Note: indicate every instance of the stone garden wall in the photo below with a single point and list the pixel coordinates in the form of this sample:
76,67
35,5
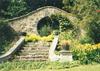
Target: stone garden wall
28,22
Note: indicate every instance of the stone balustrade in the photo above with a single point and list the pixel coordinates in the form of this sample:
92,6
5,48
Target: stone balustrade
12,50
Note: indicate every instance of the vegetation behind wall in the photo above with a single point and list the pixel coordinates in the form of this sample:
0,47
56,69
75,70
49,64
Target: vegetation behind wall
7,35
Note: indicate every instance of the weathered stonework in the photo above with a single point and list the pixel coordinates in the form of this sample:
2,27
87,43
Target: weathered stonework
28,23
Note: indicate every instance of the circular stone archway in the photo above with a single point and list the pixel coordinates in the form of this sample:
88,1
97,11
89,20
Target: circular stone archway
47,25
28,23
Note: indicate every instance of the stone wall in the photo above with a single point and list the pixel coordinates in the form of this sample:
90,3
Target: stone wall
28,23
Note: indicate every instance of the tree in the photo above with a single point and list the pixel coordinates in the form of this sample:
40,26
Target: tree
14,8
3,6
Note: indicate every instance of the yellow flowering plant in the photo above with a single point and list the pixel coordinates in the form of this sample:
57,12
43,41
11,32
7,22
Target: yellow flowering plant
34,37
87,53
48,38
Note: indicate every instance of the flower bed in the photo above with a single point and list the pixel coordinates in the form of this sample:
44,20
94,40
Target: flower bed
87,53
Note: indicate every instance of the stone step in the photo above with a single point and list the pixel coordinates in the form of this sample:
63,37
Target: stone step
32,57
35,48
33,51
37,44
36,53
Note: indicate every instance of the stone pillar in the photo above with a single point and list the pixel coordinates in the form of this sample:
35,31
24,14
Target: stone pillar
66,56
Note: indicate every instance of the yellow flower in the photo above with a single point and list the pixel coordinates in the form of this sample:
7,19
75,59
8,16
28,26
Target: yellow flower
87,47
48,38
32,37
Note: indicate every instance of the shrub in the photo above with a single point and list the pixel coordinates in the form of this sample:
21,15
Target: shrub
64,23
87,53
66,35
94,31
48,38
44,26
34,37
65,44
56,32
86,39
45,30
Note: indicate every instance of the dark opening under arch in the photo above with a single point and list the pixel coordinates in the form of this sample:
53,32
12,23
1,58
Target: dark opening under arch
47,25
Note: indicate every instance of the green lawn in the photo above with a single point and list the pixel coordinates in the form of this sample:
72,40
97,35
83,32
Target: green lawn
80,68
47,66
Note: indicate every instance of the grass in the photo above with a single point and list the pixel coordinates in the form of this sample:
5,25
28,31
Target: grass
47,66
80,68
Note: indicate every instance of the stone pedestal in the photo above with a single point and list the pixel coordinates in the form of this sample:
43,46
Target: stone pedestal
66,56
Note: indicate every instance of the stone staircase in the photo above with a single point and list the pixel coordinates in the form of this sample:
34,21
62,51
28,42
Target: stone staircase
34,52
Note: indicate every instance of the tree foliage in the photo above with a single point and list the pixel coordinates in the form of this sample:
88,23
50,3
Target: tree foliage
15,8
85,10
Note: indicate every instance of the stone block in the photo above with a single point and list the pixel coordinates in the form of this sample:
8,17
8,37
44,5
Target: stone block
66,56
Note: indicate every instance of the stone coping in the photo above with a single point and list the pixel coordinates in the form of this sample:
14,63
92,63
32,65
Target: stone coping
35,11
66,51
52,55
12,50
